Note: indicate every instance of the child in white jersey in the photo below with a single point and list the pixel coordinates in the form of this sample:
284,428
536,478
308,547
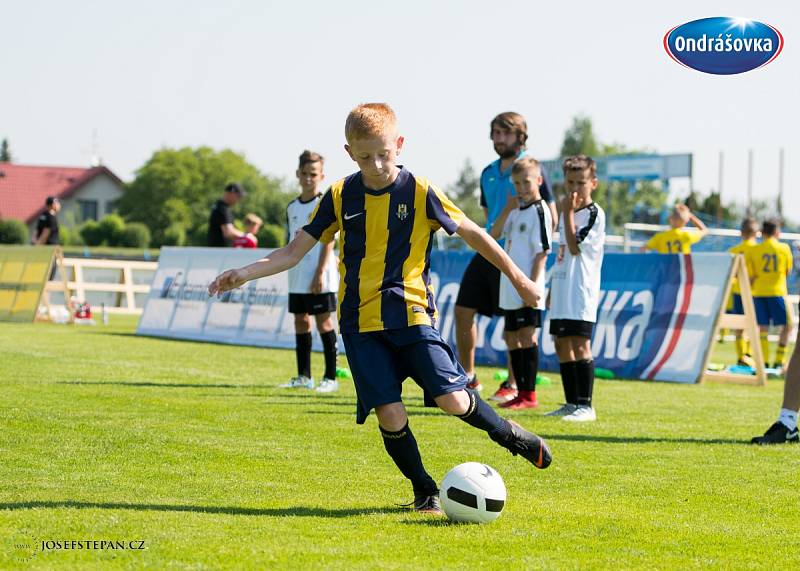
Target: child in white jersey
526,225
575,287
312,283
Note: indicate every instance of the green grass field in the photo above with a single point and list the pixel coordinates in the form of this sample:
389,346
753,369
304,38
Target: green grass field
192,449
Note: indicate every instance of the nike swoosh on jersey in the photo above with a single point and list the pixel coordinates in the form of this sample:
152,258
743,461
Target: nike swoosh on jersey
351,216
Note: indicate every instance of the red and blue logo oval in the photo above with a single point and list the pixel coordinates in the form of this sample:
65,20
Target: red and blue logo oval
723,46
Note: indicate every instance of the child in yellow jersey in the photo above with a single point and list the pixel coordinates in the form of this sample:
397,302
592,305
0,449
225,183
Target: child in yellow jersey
749,230
678,240
386,217
768,265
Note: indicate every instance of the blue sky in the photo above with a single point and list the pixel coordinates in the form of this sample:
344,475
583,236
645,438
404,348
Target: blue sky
271,78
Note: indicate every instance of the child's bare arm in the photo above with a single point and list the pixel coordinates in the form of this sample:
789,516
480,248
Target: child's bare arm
278,261
698,224
500,222
568,209
324,255
539,263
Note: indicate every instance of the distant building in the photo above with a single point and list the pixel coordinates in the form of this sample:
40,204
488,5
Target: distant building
85,193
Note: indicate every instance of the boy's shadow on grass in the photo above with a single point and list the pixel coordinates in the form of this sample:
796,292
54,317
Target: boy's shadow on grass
412,411
639,439
152,384
167,385
292,511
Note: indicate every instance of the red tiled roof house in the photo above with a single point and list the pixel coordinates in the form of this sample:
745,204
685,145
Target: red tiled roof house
85,193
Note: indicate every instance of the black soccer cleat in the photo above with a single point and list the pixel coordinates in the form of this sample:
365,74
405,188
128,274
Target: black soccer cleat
778,433
531,447
428,504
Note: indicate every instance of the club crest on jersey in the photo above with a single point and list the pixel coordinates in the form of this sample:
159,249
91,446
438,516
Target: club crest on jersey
402,211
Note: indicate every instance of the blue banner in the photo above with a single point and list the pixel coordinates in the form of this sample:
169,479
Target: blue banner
655,319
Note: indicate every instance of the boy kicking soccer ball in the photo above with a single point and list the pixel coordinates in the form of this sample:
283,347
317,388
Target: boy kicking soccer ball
526,226
575,287
386,217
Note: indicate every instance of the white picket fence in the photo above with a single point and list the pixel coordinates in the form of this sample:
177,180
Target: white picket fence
122,286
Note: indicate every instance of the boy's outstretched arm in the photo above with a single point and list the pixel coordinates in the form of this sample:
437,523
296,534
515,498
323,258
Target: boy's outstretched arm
278,261
482,243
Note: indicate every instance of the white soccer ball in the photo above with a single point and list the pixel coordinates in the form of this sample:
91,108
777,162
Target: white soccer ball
473,492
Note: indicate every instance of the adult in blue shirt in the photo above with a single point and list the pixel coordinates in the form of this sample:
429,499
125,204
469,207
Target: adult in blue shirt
480,284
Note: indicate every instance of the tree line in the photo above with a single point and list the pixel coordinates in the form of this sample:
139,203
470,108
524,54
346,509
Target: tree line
169,200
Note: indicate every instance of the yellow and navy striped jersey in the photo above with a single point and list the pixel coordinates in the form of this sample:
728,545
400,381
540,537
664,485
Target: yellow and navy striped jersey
741,248
768,265
674,241
385,239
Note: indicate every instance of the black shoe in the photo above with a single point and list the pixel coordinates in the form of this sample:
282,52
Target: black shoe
528,445
428,504
778,433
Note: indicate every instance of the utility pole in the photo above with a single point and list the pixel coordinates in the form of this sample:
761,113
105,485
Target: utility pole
780,183
750,182
719,185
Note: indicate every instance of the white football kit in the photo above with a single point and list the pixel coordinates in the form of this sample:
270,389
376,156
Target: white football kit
575,280
528,231
298,214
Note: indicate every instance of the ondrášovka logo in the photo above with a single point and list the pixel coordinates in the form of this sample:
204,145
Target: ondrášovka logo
723,46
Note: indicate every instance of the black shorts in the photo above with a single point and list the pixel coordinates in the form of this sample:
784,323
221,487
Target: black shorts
312,303
516,319
571,328
480,287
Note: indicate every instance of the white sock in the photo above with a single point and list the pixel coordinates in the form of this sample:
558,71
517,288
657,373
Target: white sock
788,418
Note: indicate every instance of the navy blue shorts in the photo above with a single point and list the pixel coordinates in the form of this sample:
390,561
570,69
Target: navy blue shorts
770,310
381,360
736,307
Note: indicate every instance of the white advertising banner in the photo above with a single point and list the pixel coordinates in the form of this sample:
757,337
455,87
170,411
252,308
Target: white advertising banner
179,306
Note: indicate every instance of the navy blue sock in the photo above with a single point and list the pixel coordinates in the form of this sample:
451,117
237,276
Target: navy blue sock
517,357
584,379
329,347
530,366
302,351
569,382
403,449
481,415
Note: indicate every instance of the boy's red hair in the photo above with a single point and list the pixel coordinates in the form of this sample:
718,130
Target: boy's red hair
370,120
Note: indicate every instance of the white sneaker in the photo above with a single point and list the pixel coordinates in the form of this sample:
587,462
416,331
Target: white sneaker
581,414
565,409
328,386
298,382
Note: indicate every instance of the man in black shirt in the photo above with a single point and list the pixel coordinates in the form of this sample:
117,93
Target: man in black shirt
47,224
221,231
